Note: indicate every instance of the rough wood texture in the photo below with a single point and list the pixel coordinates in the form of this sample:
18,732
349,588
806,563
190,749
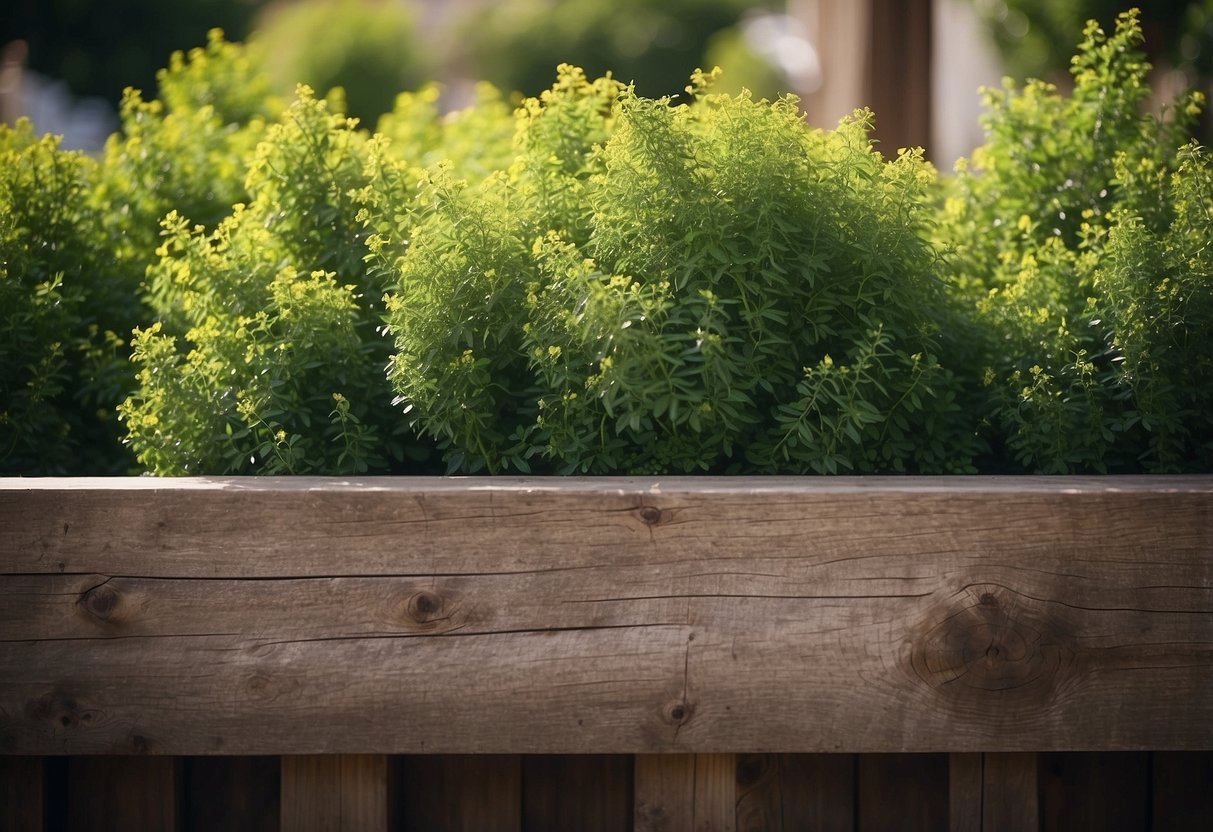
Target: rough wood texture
686,792
605,615
334,793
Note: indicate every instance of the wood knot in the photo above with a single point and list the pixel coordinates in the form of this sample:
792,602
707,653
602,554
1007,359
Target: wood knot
986,644
752,769
101,602
651,515
425,607
678,712
61,711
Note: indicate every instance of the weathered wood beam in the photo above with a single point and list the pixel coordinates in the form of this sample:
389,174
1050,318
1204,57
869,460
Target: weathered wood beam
664,615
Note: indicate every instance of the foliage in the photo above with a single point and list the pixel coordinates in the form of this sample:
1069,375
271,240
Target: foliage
58,366
183,151
1048,225
368,48
561,316
265,358
601,282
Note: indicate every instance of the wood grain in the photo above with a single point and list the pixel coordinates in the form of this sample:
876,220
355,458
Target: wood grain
334,793
691,792
605,615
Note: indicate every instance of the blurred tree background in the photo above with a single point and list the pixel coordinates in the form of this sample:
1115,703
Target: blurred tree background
100,48
374,49
1036,37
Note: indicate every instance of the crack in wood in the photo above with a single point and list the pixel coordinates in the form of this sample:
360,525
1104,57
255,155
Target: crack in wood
459,632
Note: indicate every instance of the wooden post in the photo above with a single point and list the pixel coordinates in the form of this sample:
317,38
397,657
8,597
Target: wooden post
898,73
694,792
334,793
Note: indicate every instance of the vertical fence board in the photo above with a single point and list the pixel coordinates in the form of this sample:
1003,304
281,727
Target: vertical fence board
965,780
337,792
21,793
685,792
795,791
1090,790
122,793
902,792
1010,793
592,793
236,794
1182,791
462,793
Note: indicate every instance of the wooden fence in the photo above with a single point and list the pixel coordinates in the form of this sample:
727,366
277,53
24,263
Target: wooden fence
675,653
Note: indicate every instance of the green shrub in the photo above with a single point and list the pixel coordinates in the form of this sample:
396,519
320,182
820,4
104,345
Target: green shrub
264,359
713,288
60,363
183,151
1047,227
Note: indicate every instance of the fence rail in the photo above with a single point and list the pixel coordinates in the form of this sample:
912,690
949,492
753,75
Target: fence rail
713,627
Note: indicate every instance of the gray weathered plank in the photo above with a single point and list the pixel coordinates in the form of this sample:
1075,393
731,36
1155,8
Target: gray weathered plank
605,616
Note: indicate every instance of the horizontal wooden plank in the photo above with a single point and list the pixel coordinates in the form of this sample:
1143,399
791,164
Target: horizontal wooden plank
605,616
424,526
